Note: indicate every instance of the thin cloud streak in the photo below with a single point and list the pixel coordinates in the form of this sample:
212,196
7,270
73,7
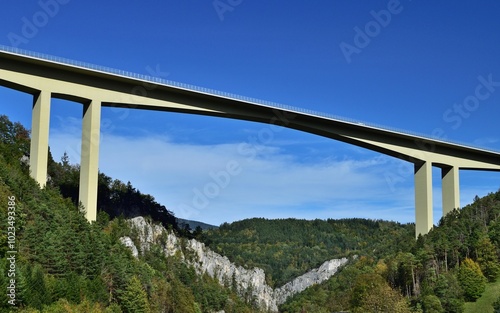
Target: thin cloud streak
189,179
218,183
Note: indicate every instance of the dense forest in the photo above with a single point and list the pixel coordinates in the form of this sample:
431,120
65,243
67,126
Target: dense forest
436,273
65,264
287,248
393,272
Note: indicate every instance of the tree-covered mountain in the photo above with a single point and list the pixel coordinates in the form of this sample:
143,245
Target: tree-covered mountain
287,248
194,225
62,263
436,273
439,272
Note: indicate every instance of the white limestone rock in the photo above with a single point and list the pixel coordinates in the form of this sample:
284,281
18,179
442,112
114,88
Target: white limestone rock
127,242
315,276
219,267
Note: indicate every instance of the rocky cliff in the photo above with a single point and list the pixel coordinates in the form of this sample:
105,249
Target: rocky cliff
249,283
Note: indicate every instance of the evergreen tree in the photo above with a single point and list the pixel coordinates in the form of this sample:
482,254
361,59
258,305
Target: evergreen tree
487,257
183,298
471,279
448,290
134,299
161,296
37,293
69,265
432,304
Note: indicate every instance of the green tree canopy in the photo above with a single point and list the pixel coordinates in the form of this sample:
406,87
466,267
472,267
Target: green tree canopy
471,279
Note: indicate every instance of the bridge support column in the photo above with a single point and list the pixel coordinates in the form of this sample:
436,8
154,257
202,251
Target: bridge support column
423,198
451,190
39,148
89,167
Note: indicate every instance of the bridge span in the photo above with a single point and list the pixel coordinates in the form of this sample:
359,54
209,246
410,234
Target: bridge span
46,77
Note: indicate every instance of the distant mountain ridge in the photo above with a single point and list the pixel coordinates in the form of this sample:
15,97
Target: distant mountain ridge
193,224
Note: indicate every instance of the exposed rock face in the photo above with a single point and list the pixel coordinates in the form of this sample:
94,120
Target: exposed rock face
219,267
315,276
248,282
152,234
127,242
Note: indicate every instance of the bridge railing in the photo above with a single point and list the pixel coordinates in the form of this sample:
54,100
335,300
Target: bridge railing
208,91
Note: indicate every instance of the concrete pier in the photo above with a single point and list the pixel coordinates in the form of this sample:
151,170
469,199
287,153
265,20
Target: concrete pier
39,149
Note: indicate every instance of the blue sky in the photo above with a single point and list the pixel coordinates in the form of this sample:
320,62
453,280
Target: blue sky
413,65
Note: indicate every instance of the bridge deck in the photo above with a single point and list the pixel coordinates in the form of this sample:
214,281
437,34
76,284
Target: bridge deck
46,77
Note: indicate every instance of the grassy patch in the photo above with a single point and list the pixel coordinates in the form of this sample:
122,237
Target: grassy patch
485,303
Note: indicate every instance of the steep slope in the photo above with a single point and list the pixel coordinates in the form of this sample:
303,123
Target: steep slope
248,283
58,262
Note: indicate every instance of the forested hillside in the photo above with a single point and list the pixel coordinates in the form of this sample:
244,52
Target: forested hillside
287,248
394,272
65,264
436,273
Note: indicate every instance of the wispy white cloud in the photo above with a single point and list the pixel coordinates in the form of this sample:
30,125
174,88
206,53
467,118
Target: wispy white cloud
232,181
225,182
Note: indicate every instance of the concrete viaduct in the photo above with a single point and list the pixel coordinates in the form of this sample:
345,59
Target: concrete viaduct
46,77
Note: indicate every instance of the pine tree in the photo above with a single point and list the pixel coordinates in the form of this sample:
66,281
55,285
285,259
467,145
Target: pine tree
488,258
471,279
135,299
183,298
161,296
448,290
38,295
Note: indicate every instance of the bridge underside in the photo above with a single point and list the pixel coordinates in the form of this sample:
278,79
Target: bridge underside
93,90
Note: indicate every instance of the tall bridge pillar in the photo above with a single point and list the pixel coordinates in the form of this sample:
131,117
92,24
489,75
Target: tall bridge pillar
423,198
89,164
39,147
451,189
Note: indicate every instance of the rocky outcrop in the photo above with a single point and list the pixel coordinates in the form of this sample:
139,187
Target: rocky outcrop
249,283
127,242
154,234
315,276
